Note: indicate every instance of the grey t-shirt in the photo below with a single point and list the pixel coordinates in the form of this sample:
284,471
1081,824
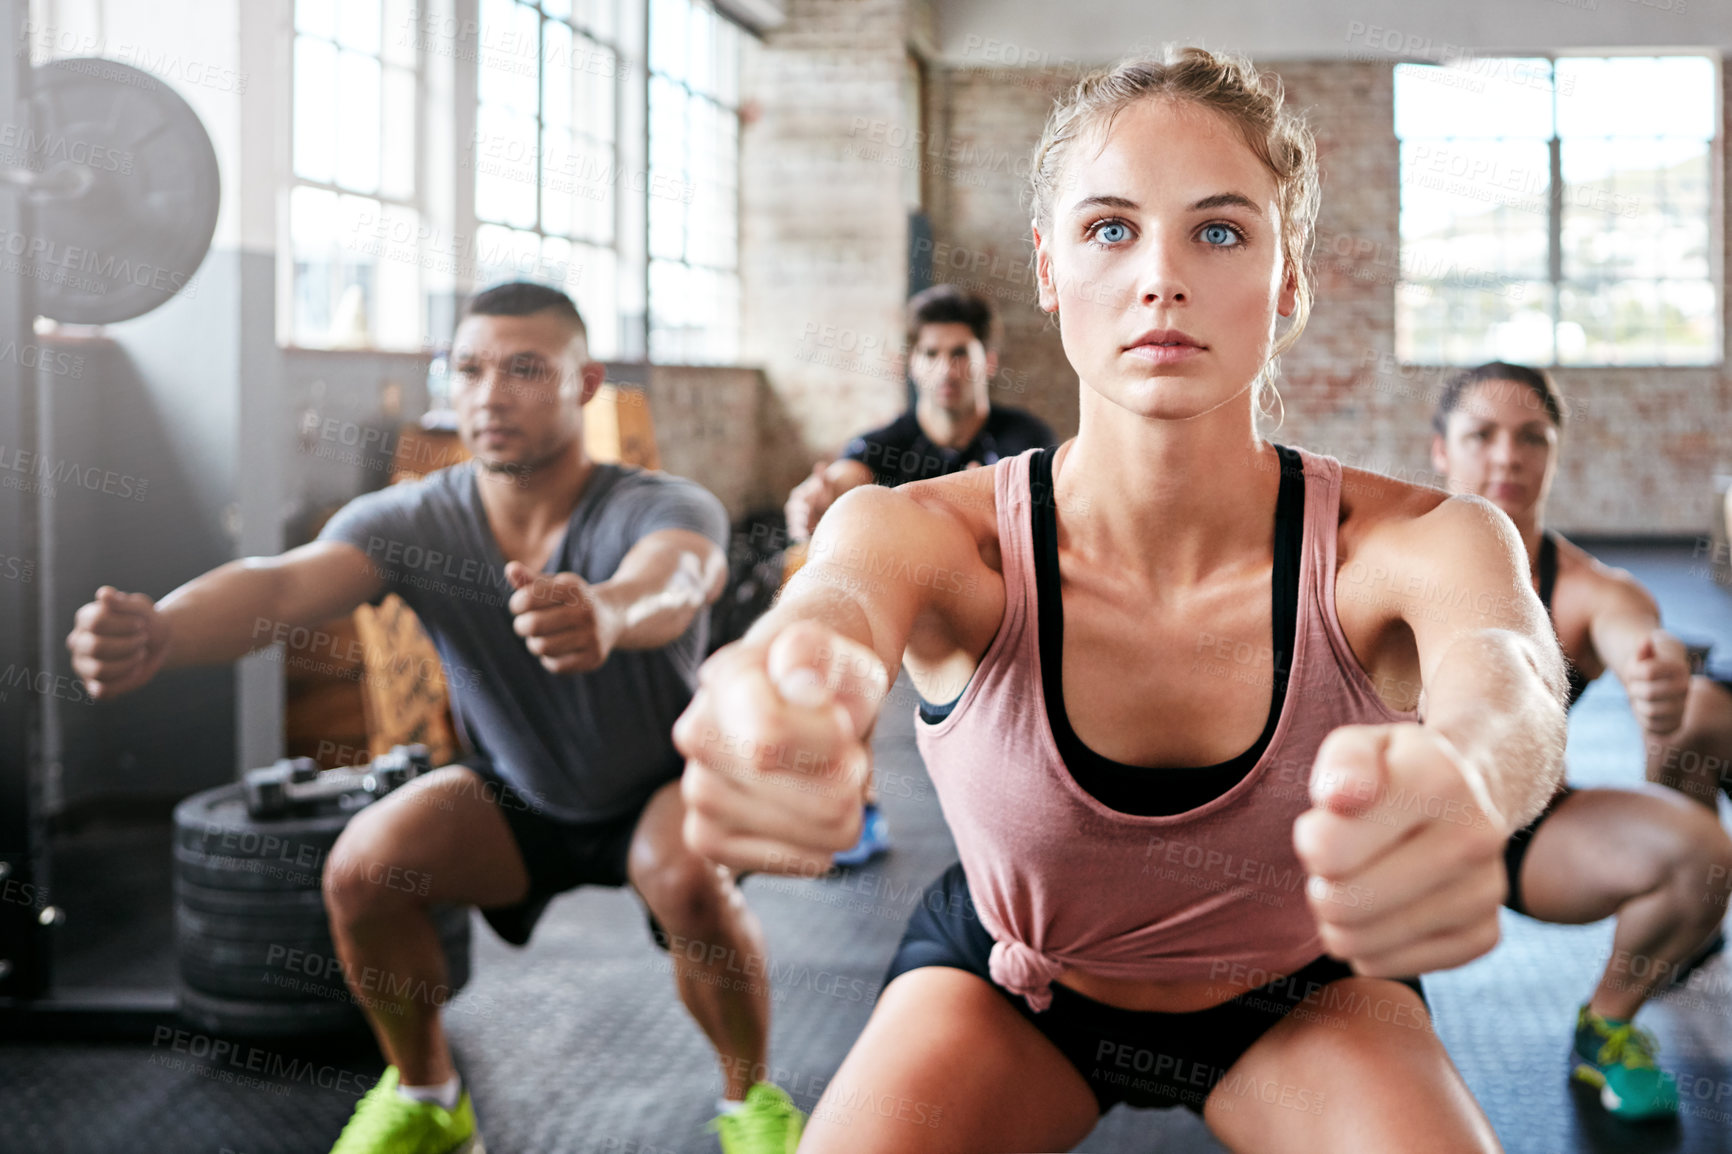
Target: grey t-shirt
581,746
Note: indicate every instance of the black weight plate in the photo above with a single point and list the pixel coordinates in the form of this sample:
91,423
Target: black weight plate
128,203
219,871
238,1017
277,963
216,822
288,904
270,927
272,923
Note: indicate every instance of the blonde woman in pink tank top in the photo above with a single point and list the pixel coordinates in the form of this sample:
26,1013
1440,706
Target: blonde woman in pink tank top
1221,768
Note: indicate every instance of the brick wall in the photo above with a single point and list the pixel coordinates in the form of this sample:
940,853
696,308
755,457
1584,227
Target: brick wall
1638,458
823,226
705,421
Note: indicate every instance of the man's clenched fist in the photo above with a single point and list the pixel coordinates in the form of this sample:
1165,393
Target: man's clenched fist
118,642
775,748
808,503
561,619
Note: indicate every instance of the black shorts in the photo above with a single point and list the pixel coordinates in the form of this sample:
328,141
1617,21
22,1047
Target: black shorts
1515,851
558,855
1140,1058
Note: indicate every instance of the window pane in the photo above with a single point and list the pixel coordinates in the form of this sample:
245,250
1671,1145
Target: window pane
505,167
1463,322
316,17
667,228
315,109
600,18
509,54
667,110
1475,205
503,254
401,32
358,25
559,176
700,50
597,185
1690,328
594,91
592,284
728,64
668,37
1501,96
667,289
397,319
556,73
1636,96
358,125
397,157
1620,322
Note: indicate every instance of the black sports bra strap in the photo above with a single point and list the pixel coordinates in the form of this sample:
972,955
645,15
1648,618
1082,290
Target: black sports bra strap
1548,568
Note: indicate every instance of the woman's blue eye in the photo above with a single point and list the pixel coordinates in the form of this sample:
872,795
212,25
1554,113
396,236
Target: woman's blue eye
1112,232
1219,234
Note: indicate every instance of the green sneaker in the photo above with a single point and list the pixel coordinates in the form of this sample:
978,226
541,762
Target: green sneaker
385,1122
767,1123
1618,1057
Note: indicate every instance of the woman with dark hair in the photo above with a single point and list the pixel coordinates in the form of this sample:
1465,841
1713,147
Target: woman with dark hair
1660,864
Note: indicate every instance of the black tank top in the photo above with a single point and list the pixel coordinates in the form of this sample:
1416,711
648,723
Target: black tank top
1162,790
1548,580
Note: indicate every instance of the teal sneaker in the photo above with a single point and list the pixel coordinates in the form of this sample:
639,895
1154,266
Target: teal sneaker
1618,1058
385,1122
766,1123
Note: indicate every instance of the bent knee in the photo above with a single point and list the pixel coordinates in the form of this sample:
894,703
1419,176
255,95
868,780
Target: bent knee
358,872
687,894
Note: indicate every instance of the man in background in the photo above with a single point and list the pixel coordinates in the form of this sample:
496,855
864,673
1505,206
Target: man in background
952,357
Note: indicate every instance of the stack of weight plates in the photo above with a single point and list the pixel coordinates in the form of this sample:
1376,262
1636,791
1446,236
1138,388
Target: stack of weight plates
256,957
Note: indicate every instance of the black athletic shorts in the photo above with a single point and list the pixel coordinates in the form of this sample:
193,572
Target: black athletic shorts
1143,1059
1515,851
558,855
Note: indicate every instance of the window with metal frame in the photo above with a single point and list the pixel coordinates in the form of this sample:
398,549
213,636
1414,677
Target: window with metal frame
1558,211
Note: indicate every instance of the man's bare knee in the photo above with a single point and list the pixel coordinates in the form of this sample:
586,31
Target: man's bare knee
361,880
687,894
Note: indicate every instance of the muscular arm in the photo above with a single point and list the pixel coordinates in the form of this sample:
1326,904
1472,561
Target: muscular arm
863,533
666,579
1625,615
236,608
1491,668
119,641
845,474
813,497
775,739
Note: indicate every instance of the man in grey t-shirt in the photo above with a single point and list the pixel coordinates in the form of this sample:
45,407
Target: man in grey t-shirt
566,598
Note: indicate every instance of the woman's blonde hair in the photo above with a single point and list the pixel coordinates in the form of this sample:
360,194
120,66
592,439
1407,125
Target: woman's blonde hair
1230,85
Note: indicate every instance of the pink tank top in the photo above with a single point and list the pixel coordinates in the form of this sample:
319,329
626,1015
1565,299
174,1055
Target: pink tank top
1061,881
